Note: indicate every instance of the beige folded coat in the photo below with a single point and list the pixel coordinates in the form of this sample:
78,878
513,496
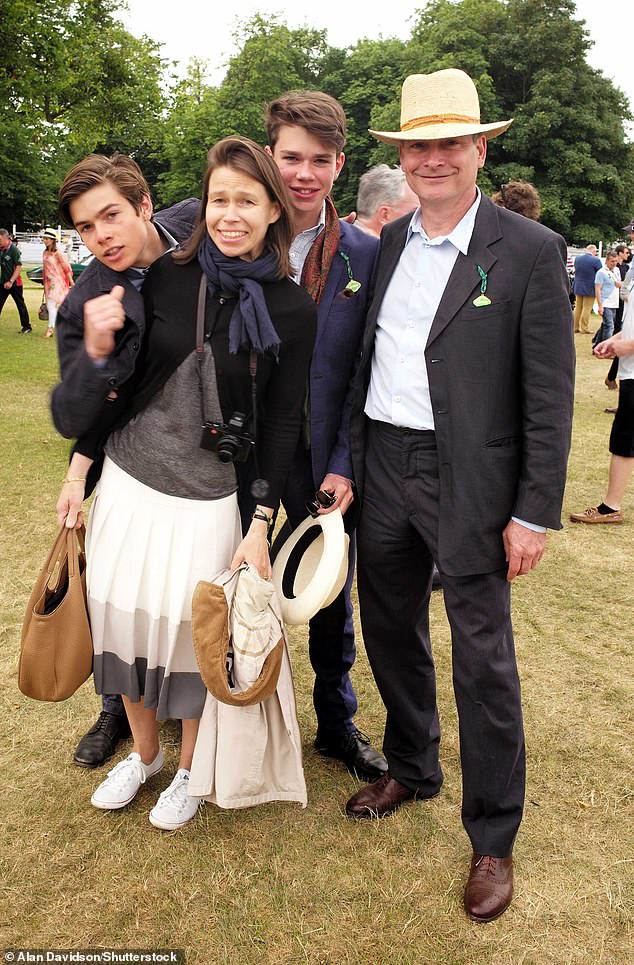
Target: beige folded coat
248,755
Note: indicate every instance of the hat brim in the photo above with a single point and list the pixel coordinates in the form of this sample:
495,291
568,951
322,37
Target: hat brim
628,227
436,132
310,569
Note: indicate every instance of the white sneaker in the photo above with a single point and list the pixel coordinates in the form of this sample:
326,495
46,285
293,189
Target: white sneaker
123,782
175,807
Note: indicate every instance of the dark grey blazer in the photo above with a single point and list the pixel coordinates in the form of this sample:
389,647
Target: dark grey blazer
77,400
501,380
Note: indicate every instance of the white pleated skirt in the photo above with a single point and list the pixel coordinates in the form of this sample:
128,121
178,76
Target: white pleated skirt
146,551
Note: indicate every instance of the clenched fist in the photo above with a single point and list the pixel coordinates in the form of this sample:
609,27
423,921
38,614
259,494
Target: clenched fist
103,316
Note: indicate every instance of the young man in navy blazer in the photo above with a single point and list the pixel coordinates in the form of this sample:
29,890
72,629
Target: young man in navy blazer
333,260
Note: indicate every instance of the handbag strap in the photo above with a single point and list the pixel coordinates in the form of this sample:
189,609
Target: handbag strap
68,544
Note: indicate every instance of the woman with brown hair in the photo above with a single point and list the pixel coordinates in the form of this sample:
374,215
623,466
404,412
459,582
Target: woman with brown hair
57,277
521,197
215,404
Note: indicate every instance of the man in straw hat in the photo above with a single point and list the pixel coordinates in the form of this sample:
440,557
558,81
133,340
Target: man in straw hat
460,437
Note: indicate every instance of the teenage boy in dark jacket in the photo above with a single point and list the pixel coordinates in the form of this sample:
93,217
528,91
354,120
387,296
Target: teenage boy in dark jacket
108,201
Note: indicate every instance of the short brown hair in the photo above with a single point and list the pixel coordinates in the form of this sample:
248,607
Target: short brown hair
318,113
519,196
242,154
122,172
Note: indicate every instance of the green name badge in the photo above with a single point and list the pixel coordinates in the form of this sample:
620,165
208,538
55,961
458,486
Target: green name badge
352,287
481,300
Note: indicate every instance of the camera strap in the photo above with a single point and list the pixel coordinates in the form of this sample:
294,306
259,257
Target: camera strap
200,357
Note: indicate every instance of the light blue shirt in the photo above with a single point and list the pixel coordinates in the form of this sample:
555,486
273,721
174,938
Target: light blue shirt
399,387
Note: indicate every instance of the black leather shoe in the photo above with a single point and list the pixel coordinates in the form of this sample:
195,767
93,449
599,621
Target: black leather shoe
100,743
355,751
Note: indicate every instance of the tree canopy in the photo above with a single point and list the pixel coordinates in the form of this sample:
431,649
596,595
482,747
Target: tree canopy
73,80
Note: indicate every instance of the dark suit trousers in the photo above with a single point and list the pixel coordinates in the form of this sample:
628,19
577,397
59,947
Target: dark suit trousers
397,542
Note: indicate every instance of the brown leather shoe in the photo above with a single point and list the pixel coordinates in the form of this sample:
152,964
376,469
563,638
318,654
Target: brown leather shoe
593,515
489,889
379,799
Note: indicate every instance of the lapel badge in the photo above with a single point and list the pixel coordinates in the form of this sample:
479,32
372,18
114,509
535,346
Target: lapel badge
482,298
353,286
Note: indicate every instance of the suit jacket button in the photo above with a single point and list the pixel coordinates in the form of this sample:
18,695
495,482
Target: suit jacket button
112,381
441,411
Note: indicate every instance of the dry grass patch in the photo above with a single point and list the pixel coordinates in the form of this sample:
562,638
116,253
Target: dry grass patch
280,885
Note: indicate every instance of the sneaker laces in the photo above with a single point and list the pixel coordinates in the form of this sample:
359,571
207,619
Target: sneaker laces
176,794
124,770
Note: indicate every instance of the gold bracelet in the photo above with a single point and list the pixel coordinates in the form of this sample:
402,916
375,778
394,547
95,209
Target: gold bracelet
70,479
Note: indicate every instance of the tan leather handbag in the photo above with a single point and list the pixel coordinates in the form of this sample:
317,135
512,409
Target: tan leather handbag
56,646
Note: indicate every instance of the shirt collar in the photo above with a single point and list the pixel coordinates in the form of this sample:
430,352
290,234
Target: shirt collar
172,244
321,224
460,236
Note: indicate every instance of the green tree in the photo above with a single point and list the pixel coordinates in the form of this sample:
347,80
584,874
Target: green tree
528,60
272,58
72,80
363,78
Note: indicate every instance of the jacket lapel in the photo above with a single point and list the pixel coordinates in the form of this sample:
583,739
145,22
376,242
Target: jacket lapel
337,281
392,244
465,278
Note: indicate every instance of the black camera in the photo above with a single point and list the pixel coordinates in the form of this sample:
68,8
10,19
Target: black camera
321,500
228,440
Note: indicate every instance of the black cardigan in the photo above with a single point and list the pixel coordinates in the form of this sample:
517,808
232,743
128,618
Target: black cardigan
170,294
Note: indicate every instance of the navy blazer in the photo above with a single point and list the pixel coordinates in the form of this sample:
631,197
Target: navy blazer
77,399
340,322
501,380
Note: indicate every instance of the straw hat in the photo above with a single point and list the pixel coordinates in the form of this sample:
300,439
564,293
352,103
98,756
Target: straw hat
50,233
442,104
310,569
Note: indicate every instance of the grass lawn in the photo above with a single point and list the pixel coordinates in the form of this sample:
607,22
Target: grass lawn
276,884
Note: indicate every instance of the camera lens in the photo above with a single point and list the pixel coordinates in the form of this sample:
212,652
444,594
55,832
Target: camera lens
228,448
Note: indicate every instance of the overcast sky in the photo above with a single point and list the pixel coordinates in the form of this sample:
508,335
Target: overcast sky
189,28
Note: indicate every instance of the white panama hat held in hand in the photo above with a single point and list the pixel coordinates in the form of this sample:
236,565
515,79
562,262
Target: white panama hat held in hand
310,569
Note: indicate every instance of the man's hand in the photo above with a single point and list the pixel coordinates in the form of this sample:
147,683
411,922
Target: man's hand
8,284
523,547
606,349
103,316
341,488
615,347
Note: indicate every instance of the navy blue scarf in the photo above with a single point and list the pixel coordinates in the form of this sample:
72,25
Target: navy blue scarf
251,325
